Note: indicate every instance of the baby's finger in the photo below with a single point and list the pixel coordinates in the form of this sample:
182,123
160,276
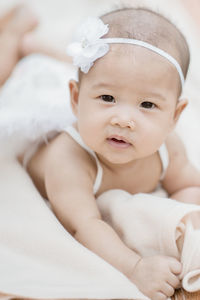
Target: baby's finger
175,266
160,296
167,289
174,281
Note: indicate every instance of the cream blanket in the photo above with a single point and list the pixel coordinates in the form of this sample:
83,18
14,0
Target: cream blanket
40,259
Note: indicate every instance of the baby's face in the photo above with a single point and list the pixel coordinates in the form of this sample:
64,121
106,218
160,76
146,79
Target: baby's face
127,104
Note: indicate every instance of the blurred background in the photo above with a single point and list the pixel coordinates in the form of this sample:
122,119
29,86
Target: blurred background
59,18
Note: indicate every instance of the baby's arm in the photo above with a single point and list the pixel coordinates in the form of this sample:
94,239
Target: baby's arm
69,180
182,180
69,185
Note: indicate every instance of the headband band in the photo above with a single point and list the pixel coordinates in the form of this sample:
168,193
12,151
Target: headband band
150,47
90,46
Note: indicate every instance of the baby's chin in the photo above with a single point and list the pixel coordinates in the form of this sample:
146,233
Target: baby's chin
116,159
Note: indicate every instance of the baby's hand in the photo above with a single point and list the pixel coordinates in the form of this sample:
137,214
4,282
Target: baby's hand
156,276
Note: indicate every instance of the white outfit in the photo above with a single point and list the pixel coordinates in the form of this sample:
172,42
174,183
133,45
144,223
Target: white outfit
76,136
34,102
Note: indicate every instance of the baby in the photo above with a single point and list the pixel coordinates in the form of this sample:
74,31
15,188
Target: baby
132,64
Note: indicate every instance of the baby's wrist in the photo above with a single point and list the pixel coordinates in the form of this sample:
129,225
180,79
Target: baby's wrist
133,266
137,263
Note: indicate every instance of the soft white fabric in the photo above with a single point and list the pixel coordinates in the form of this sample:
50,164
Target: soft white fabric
34,102
164,156
86,49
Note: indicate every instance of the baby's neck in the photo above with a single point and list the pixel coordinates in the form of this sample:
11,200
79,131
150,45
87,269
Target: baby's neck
133,166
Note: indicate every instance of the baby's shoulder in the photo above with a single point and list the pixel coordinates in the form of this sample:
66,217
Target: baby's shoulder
64,151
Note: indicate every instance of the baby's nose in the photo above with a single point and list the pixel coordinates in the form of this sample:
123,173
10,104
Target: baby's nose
124,123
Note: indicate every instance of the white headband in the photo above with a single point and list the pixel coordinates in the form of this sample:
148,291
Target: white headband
89,46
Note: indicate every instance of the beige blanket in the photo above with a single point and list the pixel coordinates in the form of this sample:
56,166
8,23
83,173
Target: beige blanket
40,259
153,225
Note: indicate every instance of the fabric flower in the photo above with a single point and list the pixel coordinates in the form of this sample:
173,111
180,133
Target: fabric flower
88,46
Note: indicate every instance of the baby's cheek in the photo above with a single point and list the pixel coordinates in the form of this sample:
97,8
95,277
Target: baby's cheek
154,137
89,132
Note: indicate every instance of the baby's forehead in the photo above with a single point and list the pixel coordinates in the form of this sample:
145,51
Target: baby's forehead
137,69
133,58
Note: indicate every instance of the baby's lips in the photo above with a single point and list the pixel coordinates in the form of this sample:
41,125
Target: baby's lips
120,139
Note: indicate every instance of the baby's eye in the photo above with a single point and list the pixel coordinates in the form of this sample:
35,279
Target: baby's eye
108,98
148,105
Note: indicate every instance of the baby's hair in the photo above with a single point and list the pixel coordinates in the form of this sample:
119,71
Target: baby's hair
151,27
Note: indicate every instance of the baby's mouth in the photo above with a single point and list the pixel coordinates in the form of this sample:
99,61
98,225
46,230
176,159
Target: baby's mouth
118,142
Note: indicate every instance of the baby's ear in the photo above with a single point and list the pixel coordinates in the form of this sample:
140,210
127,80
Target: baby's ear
181,105
74,95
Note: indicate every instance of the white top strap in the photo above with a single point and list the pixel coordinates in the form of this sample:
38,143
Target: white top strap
76,136
163,152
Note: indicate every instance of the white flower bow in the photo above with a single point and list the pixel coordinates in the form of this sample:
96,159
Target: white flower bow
88,47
